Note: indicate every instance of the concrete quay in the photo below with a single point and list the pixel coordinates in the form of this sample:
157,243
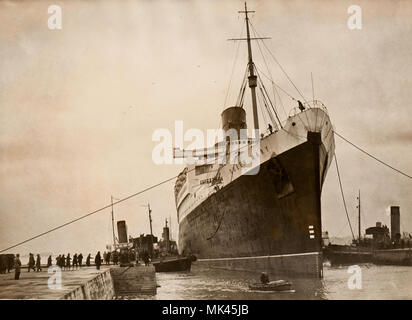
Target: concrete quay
87,283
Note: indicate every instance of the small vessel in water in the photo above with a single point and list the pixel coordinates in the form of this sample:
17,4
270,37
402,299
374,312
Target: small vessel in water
174,264
278,285
170,261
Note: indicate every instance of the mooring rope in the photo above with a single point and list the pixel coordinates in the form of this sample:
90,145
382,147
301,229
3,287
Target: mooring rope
89,214
373,157
343,196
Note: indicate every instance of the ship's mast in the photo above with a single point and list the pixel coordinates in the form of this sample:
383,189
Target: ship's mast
359,217
114,236
170,227
252,78
251,66
150,218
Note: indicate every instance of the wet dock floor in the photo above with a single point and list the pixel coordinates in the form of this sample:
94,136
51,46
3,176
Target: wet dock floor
34,285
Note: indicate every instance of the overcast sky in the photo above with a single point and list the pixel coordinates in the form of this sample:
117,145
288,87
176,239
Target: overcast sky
78,106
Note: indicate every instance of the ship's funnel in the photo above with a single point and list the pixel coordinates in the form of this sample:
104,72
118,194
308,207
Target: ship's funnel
395,223
234,118
122,231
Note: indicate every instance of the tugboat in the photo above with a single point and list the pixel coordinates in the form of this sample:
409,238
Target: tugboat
174,264
171,261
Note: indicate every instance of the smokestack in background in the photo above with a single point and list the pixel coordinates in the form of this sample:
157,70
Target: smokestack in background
122,231
395,223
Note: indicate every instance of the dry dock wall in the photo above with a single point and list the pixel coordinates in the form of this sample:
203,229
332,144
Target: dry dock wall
116,282
134,281
100,287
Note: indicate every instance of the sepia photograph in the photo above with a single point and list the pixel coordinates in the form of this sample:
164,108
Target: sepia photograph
177,150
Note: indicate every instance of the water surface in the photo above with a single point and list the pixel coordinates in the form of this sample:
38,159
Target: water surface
378,282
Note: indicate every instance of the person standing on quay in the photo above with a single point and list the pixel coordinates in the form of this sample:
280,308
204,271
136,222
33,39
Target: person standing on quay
105,257
38,263
75,261
80,259
88,260
62,261
3,266
17,265
49,261
98,260
10,262
68,259
31,262
115,257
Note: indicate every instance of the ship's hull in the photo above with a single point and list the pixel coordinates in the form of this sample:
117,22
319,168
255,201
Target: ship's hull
173,265
265,222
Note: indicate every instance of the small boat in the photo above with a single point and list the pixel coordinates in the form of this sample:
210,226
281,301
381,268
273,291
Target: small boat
278,285
173,265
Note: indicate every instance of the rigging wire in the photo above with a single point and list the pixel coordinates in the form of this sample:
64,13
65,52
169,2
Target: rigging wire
270,102
373,157
261,109
233,66
280,99
272,119
241,95
287,76
276,85
343,196
280,66
270,75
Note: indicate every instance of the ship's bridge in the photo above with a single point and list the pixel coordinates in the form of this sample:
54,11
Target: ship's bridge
307,105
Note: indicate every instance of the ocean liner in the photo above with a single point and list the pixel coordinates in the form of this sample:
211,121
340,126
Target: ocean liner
264,216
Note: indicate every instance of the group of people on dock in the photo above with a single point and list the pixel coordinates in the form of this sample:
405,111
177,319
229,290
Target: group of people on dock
64,262
111,256
67,262
34,264
6,263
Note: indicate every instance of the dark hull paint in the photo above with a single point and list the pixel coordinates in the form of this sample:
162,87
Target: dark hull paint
174,265
400,257
254,224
